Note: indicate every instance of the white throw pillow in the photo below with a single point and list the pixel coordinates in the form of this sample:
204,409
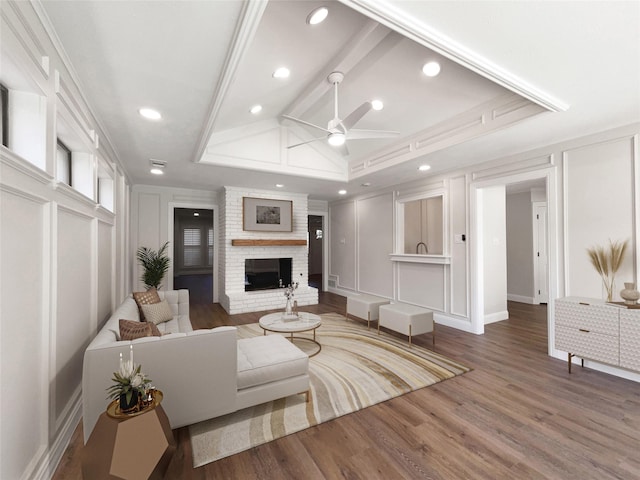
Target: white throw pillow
157,312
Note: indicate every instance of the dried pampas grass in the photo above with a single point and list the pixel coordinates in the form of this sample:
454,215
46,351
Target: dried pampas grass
607,262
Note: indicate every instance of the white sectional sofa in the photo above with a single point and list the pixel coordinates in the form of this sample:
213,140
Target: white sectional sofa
202,373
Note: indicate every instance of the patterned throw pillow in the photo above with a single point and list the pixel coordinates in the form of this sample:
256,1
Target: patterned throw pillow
130,329
146,298
154,330
158,312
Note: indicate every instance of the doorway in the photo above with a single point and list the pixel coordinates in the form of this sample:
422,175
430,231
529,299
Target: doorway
316,250
480,269
193,253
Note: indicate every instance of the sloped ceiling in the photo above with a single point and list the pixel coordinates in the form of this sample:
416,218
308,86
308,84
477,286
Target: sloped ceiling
204,64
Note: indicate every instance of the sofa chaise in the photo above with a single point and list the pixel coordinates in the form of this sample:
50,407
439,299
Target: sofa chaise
202,373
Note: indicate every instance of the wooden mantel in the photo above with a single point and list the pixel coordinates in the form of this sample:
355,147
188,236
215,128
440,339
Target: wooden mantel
245,242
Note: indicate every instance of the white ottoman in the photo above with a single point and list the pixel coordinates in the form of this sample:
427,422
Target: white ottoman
407,319
365,306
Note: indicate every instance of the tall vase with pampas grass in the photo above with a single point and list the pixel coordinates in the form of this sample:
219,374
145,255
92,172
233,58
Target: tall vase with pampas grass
607,261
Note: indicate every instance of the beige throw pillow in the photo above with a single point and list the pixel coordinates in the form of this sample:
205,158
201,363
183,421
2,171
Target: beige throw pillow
157,312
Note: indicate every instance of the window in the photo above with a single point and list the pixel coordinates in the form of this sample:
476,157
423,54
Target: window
191,246
194,239
63,163
4,116
210,246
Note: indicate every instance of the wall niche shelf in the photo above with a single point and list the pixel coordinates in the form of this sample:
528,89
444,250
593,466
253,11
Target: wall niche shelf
244,242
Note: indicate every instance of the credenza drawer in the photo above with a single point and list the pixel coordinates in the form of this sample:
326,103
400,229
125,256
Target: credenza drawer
597,318
630,339
588,344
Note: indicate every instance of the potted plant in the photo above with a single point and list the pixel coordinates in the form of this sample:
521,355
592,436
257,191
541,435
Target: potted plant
129,383
155,265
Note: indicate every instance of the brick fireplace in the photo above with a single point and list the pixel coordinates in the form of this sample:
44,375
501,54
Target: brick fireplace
233,298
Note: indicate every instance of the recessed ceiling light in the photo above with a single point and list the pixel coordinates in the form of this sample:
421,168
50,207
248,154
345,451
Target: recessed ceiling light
279,185
318,15
336,139
196,214
365,184
424,168
342,192
157,171
431,69
377,104
282,72
150,113
256,109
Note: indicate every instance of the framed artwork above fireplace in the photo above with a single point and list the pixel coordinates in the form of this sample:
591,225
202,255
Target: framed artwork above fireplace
265,215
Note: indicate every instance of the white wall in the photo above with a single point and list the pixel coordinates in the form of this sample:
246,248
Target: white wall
575,170
361,239
600,204
519,247
494,238
60,270
57,279
152,211
375,270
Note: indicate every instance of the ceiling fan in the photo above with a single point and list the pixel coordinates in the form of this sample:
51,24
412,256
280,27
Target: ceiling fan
338,131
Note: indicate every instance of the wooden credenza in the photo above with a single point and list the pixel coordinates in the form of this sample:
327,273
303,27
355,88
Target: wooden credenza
596,330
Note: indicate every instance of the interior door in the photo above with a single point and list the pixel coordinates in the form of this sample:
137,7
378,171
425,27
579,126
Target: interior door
540,270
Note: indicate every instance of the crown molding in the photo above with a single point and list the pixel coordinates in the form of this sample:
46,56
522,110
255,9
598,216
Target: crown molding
246,28
394,18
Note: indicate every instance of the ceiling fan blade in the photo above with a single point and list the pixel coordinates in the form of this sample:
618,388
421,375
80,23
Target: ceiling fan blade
305,123
360,134
308,141
356,115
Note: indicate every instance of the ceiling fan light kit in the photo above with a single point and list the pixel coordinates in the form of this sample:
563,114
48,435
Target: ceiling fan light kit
336,139
339,130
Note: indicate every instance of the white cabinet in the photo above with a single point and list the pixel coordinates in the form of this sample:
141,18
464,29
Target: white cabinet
596,330
630,339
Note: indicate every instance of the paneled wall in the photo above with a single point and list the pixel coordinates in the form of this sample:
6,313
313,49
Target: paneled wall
57,285
375,272
152,214
61,252
592,196
600,204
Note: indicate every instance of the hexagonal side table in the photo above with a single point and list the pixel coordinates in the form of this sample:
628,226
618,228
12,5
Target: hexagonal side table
129,448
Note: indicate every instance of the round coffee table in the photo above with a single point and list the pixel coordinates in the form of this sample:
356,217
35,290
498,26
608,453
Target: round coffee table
306,322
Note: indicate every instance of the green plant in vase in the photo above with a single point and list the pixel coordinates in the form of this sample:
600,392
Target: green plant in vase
155,265
607,262
128,383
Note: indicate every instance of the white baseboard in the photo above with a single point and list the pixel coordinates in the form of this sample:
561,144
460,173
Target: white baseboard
458,323
496,317
50,458
520,299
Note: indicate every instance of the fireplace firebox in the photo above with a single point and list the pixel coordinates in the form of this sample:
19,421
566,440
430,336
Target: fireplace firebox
266,273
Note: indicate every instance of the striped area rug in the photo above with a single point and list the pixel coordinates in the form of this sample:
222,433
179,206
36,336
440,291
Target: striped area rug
355,369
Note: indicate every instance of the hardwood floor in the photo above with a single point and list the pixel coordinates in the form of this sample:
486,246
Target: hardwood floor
519,414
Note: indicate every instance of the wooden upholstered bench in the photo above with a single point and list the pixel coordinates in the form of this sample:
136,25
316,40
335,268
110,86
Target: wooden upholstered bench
365,306
407,319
